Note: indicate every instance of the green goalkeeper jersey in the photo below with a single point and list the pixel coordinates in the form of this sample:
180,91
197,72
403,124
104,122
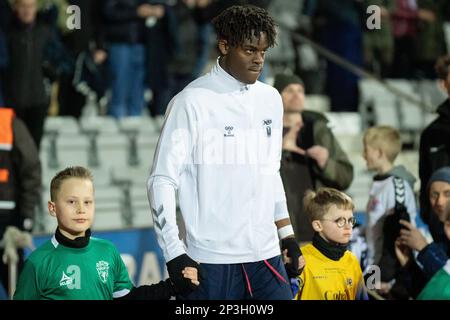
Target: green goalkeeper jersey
57,272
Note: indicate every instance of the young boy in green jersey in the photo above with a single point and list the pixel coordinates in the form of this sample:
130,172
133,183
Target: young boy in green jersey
75,266
331,271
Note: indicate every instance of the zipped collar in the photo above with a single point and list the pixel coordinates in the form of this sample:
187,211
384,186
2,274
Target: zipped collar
228,80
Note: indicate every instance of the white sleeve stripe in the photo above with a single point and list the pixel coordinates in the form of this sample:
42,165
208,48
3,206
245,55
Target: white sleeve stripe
121,293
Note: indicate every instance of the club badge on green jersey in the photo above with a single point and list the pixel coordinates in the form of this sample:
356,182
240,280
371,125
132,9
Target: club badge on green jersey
102,269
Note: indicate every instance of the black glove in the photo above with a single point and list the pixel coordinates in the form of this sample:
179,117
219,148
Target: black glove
181,284
293,252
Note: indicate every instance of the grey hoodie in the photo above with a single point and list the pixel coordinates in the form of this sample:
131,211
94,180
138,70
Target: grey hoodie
402,172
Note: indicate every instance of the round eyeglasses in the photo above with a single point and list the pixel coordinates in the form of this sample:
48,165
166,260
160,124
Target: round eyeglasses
341,222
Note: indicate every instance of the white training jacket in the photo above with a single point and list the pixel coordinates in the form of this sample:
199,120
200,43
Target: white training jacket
220,150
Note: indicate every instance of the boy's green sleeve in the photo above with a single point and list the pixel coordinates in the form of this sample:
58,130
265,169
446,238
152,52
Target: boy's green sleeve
27,286
122,282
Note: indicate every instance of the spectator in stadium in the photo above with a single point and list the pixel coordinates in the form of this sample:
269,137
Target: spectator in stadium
161,43
341,32
73,259
411,245
434,150
184,67
378,43
330,212
86,45
124,22
34,52
438,288
20,180
404,22
431,256
311,158
391,198
232,207
430,36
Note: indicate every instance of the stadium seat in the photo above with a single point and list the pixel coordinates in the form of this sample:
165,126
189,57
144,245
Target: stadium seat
61,124
72,150
112,149
142,124
142,218
131,175
317,102
103,124
108,221
145,148
102,176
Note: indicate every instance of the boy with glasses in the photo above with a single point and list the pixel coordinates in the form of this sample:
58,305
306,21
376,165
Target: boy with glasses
331,272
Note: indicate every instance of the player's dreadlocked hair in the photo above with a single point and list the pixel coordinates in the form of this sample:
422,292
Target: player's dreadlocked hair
238,23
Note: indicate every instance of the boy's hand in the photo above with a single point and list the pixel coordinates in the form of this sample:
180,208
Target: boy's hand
175,267
301,260
192,274
292,251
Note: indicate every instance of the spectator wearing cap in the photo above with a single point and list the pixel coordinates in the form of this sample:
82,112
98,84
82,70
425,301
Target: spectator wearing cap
432,256
312,157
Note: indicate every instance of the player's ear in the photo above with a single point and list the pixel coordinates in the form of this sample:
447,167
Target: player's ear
317,226
51,208
223,47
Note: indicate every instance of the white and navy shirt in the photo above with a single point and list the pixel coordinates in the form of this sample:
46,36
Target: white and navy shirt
220,151
382,203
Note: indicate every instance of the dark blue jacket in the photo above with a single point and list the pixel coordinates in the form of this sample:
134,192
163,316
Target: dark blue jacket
433,257
121,21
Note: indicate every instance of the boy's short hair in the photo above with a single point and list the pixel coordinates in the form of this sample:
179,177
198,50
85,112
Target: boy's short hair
385,138
239,23
67,173
442,67
317,204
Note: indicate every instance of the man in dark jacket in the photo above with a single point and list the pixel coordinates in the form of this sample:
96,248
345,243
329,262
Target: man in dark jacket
86,45
20,179
30,43
434,151
312,157
124,22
